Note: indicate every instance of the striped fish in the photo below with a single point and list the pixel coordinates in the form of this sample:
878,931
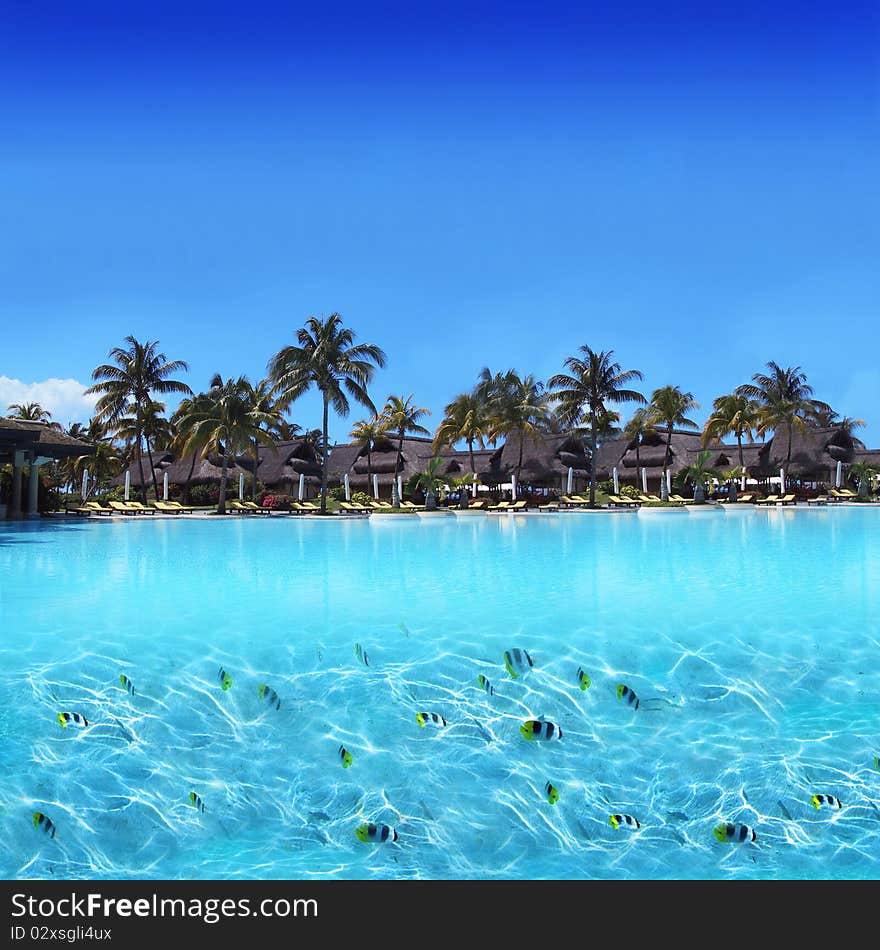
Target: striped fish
196,801
734,832
626,820
345,757
540,729
583,679
551,792
423,718
224,679
67,718
361,654
45,823
269,695
518,662
628,696
377,833
127,684
818,800
485,685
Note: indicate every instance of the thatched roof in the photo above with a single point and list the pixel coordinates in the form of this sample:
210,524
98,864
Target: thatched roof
814,451
545,459
41,439
161,460
351,459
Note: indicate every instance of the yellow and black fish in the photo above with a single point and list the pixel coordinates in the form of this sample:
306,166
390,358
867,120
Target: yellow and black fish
540,729
377,833
518,662
818,800
127,684
196,801
551,792
45,823
361,654
628,696
345,757
435,719
269,695
485,685
583,679
627,821
66,719
224,679
729,831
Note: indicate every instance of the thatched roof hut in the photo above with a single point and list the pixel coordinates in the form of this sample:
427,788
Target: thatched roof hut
815,451
351,459
38,440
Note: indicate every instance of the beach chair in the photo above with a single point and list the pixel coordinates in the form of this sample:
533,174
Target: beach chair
477,504
304,507
504,506
141,507
573,501
501,506
122,507
818,500
843,494
354,509
788,500
745,499
769,500
647,499
681,500
615,501
411,506
382,505
256,509
92,508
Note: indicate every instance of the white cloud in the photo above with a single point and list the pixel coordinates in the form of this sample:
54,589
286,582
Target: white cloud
64,398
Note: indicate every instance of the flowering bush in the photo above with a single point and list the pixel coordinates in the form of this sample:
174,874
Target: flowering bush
277,502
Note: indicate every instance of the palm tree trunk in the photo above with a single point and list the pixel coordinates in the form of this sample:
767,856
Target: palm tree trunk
369,468
519,460
400,435
325,437
221,501
594,449
140,460
664,491
152,469
739,442
470,443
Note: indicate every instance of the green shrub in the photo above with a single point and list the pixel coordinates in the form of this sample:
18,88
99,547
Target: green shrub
337,493
606,487
360,498
202,494
629,491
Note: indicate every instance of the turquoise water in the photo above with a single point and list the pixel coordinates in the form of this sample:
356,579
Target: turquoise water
752,641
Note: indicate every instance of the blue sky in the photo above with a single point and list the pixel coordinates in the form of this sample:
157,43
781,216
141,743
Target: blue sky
468,185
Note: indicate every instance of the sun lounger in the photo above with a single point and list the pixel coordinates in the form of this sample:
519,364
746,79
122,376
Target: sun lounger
769,500
411,506
503,506
647,499
681,500
843,494
745,499
788,500
382,505
304,506
354,509
122,508
818,500
141,507
93,508
255,508
615,501
170,507
573,501
478,504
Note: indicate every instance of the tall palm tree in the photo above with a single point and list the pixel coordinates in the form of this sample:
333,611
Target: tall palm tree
785,398
466,418
638,427
365,433
593,380
328,358
224,422
29,412
734,413
265,413
155,428
669,407
128,384
184,420
103,463
518,405
401,417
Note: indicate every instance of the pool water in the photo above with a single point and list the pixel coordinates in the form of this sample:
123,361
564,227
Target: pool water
751,640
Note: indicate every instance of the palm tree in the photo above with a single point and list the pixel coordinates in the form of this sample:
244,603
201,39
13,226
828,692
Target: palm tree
864,475
669,406
103,463
155,428
224,422
638,427
785,398
29,412
734,413
592,381
402,417
699,473
266,414
464,418
184,421
430,481
365,433
127,385
326,357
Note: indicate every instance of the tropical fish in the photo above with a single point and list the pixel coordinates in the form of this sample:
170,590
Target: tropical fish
127,684
628,696
196,801
485,685
877,762
552,793
66,718
269,695
518,662
583,679
224,679
361,654
44,822
817,800
540,729
423,718
345,757
377,833
734,832
627,820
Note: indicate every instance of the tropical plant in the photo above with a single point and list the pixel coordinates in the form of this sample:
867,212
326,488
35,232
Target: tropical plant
731,477
155,428
583,393
265,414
29,412
326,357
102,464
699,474
668,407
461,484
864,476
223,422
430,481
401,417
785,398
734,413
365,433
465,418
127,386
637,429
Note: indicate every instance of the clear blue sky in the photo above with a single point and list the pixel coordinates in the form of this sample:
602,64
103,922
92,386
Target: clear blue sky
694,186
